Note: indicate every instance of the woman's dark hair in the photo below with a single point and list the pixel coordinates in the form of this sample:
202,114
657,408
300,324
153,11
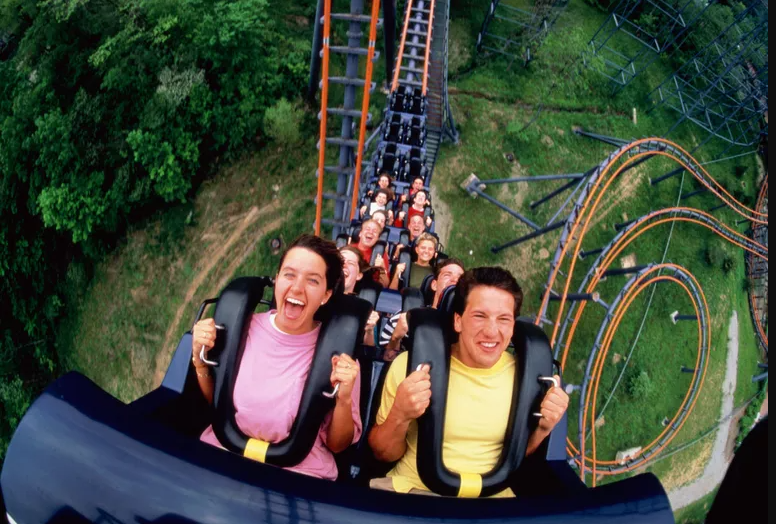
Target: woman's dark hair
381,212
491,277
363,265
415,196
381,191
385,173
328,251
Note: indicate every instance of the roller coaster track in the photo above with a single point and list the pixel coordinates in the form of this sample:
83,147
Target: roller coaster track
418,115
347,170
568,253
757,272
417,118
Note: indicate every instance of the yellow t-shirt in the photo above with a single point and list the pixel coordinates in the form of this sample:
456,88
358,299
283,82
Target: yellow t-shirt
476,418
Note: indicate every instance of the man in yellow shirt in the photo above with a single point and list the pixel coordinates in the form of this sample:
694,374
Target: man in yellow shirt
487,304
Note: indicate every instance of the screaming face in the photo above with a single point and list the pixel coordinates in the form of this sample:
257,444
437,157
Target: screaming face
300,290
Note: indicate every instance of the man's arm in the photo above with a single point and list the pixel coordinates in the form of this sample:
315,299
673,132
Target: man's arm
553,407
388,439
399,332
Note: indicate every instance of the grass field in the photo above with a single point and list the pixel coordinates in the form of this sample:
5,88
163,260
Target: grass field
127,316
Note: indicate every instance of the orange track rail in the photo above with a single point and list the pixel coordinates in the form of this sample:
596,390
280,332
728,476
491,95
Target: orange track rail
324,109
365,106
428,46
400,54
730,200
587,212
753,304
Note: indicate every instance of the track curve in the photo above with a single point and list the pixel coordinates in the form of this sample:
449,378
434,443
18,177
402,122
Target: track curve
566,258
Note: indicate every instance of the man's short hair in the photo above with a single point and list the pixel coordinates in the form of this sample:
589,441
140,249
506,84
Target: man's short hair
427,237
491,277
447,262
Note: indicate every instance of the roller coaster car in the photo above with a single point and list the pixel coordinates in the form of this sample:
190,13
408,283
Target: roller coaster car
415,136
418,103
394,132
387,163
399,99
80,455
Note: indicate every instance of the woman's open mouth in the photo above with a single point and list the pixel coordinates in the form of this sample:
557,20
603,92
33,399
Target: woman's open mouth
293,308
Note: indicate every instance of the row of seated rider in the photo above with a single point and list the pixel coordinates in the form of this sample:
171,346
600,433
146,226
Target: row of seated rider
399,193
373,239
268,390
400,209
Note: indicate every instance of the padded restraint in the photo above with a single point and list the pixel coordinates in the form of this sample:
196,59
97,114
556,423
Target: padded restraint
426,291
411,298
429,343
342,331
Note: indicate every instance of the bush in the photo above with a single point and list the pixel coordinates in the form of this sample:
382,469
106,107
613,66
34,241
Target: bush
729,264
750,415
714,256
640,386
283,122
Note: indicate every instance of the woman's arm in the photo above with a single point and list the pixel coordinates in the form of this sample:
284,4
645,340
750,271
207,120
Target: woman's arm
203,334
342,428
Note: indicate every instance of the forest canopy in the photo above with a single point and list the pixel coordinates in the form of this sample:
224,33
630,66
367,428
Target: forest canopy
109,108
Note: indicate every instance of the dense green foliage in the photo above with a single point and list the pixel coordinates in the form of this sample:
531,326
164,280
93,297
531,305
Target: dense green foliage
108,110
747,422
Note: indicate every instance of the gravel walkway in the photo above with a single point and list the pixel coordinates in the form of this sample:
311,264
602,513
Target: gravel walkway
718,464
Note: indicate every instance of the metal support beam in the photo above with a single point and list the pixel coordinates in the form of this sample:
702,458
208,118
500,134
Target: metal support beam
536,234
624,271
578,297
555,193
665,177
508,209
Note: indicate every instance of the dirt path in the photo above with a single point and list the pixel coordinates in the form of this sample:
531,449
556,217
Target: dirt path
217,257
717,466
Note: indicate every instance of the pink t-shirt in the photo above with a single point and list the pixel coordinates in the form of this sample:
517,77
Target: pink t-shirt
269,388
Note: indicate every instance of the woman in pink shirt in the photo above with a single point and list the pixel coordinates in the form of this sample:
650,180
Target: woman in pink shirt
277,358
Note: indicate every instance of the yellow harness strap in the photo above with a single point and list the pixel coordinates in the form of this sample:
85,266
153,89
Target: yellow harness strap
256,450
471,486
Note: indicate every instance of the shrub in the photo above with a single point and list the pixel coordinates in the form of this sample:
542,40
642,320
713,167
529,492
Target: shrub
714,256
729,264
640,385
283,122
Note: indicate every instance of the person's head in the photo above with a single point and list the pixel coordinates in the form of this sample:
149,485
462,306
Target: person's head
416,226
309,272
381,217
426,247
487,303
353,267
384,181
417,183
446,274
382,197
370,233
419,199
